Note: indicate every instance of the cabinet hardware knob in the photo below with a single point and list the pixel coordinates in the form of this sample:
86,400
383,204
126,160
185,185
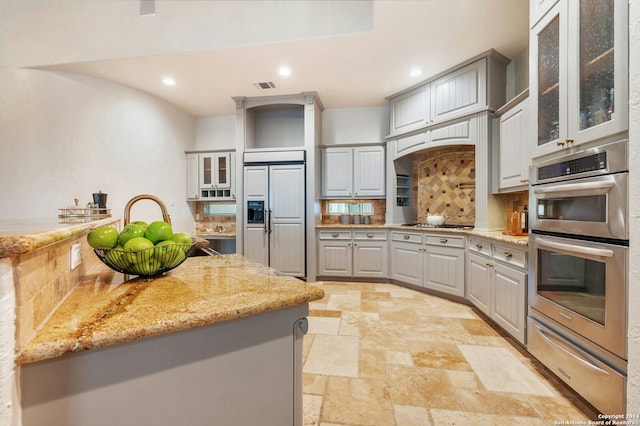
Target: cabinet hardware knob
569,140
478,246
406,237
369,235
334,235
443,240
488,265
560,143
507,254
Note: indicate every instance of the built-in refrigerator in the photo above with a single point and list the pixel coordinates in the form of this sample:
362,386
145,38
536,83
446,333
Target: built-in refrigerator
274,210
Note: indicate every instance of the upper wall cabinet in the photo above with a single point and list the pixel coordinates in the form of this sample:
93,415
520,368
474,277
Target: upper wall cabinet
473,86
579,73
209,176
353,171
410,111
460,92
513,146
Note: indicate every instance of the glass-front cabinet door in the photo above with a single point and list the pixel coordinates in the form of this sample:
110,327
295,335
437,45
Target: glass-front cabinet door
579,77
549,82
598,104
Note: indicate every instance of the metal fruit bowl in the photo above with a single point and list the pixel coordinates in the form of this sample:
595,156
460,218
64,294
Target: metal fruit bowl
148,262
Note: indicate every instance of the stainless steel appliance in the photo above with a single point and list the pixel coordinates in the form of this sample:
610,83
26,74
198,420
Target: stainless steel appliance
578,271
274,200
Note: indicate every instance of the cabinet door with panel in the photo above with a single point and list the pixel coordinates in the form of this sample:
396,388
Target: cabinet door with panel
335,253
479,282
410,111
508,304
368,171
513,148
459,93
193,177
443,266
406,257
370,254
337,172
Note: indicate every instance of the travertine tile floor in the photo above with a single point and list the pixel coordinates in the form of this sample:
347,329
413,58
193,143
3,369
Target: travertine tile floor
381,354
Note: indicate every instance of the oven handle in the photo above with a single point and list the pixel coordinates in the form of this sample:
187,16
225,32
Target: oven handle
574,249
575,353
601,186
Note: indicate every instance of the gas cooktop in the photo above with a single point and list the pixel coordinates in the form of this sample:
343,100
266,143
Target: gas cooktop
445,226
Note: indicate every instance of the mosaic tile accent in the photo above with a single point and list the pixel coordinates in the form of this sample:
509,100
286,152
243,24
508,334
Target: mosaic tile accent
444,183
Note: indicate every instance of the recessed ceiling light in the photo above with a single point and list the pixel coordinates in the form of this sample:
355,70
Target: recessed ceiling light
284,71
415,72
169,81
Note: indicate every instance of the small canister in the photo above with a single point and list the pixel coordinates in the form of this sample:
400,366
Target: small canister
345,219
356,219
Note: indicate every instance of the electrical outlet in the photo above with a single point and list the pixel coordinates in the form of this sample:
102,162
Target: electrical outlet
76,256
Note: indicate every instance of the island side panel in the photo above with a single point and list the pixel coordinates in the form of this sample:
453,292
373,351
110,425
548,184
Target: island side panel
243,371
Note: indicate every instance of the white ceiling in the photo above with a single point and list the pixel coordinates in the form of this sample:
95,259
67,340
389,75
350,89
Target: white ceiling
347,69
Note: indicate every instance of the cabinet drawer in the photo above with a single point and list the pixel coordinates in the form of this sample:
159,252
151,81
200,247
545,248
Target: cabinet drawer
510,256
334,235
480,246
370,235
445,240
408,237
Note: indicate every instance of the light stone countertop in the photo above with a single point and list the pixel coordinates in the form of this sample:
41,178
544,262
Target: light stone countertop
491,235
105,310
22,236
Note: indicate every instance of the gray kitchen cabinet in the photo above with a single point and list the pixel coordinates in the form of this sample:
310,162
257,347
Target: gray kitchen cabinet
471,87
353,171
410,111
370,253
460,92
496,283
407,257
193,176
433,261
579,74
209,175
359,253
334,253
444,264
514,155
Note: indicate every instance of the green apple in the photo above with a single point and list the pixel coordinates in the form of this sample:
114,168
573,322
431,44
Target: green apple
115,257
142,223
149,266
183,239
104,237
158,231
129,232
168,253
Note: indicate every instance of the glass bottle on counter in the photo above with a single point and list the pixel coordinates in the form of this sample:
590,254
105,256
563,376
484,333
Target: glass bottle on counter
524,219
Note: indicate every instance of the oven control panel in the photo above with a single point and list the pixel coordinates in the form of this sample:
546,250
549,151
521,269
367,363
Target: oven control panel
575,166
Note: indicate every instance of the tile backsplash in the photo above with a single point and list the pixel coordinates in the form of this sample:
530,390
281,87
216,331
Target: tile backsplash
444,183
377,218
208,223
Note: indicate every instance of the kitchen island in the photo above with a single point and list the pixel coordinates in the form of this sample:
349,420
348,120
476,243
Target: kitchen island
217,340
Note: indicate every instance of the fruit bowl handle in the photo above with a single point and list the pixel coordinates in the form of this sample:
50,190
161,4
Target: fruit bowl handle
163,207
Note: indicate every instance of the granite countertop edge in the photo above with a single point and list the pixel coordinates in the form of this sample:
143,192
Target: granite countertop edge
103,311
44,234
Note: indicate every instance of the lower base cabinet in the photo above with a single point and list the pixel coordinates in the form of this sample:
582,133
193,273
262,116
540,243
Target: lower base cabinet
360,253
497,284
431,261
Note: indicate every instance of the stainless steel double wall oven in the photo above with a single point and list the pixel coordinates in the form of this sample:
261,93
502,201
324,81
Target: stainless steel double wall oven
578,285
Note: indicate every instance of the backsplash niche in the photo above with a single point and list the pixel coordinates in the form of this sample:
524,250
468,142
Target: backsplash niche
445,183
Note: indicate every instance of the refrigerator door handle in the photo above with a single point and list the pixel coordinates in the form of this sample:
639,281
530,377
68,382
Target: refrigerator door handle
270,220
265,219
